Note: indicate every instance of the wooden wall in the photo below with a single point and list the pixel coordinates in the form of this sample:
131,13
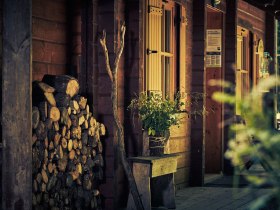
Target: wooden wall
197,82
106,21
16,106
180,137
251,18
230,63
1,52
50,42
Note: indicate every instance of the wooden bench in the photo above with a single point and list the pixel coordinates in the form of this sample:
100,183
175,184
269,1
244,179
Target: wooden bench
154,177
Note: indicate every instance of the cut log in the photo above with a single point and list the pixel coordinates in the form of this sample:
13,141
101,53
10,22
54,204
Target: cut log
50,167
35,117
62,99
44,176
69,123
82,101
81,120
56,139
50,99
43,109
64,143
91,131
79,168
63,84
48,124
74,105
102,130
64,159
85,125
68,134
84,159
62,163
54,114
51,145
78,152
84,138
56,126
92,122
63,131
41,92
76,132
41,131
46,142
74,120
64,117
44,87
75,175
72,154
61,155
75,144
70,145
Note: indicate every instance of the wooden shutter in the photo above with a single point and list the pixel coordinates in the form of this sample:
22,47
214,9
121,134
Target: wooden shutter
182,45
243,65
153,45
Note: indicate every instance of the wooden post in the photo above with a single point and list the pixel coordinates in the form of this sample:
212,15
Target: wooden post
16,106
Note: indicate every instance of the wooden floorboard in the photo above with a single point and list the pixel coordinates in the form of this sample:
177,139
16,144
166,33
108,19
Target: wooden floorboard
220,194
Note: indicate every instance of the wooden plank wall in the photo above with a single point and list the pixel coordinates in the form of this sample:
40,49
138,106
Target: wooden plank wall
180,137
50,42
230,62
197,131
1,52
251,18
16,106
106,21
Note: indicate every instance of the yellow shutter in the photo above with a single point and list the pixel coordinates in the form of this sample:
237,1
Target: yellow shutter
238,87
182,45
153,45
242,65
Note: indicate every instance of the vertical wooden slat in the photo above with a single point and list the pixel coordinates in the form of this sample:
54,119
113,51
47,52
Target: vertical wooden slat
183,51
153,61
16,105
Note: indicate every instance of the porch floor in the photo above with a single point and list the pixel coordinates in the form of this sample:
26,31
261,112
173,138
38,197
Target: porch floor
219,194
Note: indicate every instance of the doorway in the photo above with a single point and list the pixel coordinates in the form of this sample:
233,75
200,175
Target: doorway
213,71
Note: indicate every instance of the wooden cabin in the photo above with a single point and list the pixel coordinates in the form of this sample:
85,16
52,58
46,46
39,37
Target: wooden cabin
170,46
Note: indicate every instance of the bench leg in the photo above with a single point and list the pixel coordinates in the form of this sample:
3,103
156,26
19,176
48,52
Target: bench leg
141,175
163,191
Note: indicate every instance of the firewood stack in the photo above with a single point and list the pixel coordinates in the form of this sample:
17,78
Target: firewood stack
67,151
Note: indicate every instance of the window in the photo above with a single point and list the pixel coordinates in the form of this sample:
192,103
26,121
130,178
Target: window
243,65
165,43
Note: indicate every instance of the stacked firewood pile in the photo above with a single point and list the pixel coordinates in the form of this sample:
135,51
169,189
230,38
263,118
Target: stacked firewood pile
67,159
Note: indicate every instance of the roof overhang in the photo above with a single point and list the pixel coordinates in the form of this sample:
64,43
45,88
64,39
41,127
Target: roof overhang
270,6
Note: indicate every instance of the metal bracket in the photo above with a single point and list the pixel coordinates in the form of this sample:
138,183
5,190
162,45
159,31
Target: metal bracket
151,51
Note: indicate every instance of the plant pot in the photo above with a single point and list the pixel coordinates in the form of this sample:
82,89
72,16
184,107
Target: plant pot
156,145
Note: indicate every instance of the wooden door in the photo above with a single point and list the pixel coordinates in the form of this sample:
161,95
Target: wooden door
213,128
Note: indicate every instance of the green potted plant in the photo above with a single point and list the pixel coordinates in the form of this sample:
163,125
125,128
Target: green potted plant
157,115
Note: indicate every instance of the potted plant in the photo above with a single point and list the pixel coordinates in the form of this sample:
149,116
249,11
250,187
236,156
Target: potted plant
157,115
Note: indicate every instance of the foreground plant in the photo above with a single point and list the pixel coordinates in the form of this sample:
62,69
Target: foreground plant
256,139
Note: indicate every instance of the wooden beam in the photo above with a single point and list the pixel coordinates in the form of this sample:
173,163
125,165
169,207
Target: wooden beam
16,106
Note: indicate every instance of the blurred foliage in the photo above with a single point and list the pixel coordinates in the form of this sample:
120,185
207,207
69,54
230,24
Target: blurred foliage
255,138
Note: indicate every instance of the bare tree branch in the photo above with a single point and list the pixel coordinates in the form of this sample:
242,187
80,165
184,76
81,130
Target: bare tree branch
120,132
120,50
106,54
